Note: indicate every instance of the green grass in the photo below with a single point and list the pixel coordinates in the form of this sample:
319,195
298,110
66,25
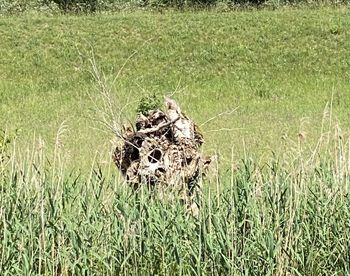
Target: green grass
279,202
281,218
279,68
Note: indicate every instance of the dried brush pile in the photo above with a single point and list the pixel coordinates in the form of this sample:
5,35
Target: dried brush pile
162,151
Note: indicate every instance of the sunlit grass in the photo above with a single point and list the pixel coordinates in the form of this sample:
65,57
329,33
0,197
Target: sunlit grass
287,216
276,203
279,68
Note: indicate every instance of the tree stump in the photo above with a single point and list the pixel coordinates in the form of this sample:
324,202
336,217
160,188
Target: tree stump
162,152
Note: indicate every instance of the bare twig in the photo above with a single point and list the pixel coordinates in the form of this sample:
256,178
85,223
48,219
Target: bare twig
124,64
222,129
177,89
128,59
159,127
229,112
106,110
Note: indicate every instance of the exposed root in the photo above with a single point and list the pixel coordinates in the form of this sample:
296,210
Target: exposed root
163,152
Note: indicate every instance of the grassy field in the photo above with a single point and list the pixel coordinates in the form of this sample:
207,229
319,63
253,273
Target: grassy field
279,202
279,68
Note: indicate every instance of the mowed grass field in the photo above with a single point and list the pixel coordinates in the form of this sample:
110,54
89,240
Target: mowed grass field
278,68
277,202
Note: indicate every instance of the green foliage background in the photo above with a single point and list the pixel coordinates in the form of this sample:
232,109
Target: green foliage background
91,6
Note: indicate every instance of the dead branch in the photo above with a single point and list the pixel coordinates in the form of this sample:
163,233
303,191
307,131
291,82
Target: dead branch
229,112
157,128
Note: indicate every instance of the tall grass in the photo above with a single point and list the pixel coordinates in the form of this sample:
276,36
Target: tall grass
290,215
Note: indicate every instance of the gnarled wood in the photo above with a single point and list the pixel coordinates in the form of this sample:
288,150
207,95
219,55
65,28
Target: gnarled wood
163,152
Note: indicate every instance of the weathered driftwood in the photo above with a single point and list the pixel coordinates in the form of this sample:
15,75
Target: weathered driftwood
163,152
